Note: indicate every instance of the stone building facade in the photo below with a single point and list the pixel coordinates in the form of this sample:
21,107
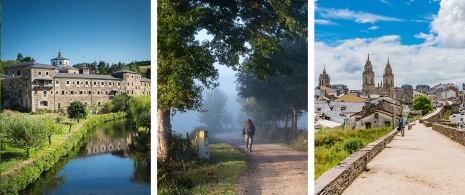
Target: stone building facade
33,86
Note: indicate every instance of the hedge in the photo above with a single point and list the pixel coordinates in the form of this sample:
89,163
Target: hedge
29,172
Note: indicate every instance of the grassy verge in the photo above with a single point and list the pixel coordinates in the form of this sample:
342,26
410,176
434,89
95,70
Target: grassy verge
334,145
215,176
413,118
299,141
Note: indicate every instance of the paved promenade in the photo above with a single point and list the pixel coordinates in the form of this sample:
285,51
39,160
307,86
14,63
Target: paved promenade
422,162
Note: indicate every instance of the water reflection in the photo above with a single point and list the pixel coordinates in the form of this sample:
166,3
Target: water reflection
108,162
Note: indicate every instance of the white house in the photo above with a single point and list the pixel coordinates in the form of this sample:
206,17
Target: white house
448,94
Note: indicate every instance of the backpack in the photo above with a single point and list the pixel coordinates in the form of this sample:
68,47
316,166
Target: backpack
249,128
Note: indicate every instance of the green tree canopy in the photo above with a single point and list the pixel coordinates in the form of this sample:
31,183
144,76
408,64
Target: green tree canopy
138,111
77,110
120,102
25,130
422,103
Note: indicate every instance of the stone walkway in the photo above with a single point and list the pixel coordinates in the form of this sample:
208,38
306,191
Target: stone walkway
422,162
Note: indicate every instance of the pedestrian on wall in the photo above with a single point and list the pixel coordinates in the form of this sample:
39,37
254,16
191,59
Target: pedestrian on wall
401,123
249,132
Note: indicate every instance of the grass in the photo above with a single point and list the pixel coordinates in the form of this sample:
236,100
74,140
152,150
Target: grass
332,146
217,175
413,118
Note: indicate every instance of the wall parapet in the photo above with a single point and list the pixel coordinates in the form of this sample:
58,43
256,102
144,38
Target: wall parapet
337,179
455,134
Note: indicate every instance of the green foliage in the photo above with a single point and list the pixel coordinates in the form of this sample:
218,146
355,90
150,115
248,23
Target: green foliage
215,176
25,130
77,110
107,108
138,111
447,114
120,102
52,127
422,103
332,146
352,145
413,118
27,173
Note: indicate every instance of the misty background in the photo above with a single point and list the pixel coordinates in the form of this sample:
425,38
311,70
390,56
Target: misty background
186,122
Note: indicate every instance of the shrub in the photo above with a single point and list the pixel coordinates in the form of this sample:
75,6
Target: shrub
353,144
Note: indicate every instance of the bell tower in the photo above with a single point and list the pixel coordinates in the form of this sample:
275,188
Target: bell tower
368,82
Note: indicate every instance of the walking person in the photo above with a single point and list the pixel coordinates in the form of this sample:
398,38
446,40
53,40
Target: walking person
249,132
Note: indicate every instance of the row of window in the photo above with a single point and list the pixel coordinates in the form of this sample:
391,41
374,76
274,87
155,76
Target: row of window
45,103
90,92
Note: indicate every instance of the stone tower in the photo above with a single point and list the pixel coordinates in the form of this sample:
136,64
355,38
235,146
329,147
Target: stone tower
60,61
388,82
324,79
368,82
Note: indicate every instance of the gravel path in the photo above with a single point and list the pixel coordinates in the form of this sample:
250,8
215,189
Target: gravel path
272,169
422,162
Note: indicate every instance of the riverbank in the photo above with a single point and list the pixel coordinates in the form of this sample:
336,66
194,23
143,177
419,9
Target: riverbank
26,172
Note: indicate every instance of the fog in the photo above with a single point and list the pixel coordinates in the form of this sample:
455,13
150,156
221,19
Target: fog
186,122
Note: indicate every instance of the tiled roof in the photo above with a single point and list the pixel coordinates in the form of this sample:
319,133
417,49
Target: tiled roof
125,71
350,98
69,67
85,76
43,66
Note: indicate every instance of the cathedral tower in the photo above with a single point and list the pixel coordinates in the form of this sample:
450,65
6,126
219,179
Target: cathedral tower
324,79
388,82
368,82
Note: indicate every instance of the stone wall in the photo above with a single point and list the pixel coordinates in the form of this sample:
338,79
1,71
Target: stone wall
337,179
458,135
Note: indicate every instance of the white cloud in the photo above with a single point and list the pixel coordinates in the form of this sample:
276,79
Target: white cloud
449,24
374,28
414,64
325,22
410,2
359,17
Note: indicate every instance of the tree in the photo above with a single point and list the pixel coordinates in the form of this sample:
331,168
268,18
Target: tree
107,108
422,103
138,111
185,66
149,72
77,110
120,102
25,130
19,57
52,127
281,94
28,59
214,107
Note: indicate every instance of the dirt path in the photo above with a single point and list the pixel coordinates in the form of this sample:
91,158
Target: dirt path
272,169
422,162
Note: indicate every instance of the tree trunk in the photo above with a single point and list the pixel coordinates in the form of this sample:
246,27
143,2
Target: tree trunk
164,134
273,121
286,118
294,119
50,140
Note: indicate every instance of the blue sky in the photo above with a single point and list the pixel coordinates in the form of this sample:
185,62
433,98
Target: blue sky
85,30
423,40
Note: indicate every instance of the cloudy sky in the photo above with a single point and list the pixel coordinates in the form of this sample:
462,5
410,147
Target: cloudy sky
424,40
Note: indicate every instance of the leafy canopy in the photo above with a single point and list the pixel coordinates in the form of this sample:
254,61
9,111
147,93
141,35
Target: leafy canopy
422,103
239,28
77,110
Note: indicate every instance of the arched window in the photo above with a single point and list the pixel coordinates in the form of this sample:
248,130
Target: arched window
43,103
18,73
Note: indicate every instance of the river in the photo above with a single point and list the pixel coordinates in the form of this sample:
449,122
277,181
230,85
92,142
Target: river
106,163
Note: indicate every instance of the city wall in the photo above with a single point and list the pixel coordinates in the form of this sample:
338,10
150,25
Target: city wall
337,179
